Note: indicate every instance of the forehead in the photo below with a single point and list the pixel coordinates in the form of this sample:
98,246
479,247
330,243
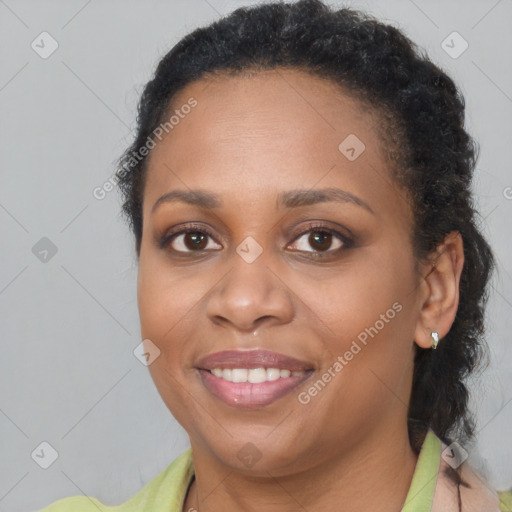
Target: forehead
268,131
283,101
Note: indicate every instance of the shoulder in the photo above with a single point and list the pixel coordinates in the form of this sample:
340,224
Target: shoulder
164,492
76,504
505,498
475,493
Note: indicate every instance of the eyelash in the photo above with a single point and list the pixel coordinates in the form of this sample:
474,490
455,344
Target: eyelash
195,228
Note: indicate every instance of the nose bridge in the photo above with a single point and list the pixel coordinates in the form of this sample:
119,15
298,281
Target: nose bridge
250,291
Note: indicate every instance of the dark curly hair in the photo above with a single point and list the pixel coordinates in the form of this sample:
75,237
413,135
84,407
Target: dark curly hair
431,155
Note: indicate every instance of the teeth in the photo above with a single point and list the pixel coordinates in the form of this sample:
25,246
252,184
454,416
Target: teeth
239,375
253,375
273,373
257,375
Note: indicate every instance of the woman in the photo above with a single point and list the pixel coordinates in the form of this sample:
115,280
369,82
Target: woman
311,280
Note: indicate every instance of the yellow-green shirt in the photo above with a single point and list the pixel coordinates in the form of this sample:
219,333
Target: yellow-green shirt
166,492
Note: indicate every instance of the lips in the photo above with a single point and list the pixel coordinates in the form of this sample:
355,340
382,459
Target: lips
287,374
252,359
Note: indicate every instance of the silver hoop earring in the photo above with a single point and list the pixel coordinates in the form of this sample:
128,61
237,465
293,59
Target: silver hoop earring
435,339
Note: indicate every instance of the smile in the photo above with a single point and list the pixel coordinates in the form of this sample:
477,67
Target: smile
253,375
248,394
251,378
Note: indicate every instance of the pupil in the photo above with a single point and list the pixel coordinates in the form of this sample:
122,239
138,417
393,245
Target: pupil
320,238
198,239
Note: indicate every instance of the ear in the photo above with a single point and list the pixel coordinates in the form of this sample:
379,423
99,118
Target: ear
439,290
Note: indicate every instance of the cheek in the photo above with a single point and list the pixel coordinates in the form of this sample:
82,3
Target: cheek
353,296
171,308
166,318
368,319
165,301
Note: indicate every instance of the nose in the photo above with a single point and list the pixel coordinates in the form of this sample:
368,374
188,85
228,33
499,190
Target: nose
250,295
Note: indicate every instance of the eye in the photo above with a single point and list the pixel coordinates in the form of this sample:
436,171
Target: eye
191,238
196,238
323,240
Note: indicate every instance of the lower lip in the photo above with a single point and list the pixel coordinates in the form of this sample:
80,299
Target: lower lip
246,394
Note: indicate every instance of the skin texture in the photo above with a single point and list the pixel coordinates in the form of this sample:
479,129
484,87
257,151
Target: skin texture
248,139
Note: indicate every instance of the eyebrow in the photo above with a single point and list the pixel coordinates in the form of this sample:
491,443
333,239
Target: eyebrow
288,199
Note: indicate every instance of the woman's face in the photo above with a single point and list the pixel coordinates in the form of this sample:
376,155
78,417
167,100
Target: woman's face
277,273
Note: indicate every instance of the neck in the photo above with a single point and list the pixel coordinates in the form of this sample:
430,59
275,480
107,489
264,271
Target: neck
377,470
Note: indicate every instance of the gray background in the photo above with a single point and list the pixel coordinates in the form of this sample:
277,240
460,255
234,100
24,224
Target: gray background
69,325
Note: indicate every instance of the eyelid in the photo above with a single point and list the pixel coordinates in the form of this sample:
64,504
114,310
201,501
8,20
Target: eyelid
347,241
187,227
322,226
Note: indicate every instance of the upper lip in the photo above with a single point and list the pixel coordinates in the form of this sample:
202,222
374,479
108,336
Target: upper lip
252,359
